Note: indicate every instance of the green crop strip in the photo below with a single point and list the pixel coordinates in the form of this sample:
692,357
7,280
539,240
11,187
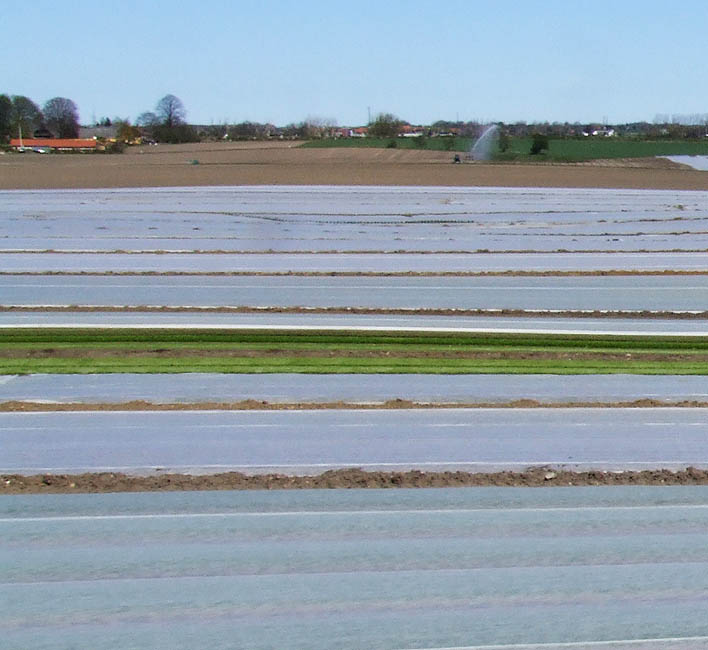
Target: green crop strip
111,336
24,351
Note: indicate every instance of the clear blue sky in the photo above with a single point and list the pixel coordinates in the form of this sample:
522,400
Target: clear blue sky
283,61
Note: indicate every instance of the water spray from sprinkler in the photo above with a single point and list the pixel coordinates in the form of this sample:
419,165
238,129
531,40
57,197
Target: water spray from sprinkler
483,146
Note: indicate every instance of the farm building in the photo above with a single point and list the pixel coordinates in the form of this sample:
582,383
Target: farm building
55,144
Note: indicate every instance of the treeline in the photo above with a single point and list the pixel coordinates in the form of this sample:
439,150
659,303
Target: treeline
384,128
167,122
19,115
387,125
646,130
59,118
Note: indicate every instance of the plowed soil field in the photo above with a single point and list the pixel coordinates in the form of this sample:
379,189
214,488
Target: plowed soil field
287,163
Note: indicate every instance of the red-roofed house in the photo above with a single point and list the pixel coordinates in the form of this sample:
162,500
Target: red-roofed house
60,144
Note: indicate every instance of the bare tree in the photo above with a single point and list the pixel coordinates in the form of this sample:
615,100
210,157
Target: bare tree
170,125
147,119
318,127
62,117
170,111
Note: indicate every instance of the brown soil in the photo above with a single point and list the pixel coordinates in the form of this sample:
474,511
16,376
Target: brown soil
334,251
344,274
287,164
338,353
262,405
344,478
560,313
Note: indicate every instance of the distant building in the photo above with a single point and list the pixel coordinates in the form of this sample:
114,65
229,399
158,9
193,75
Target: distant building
411,131
42,133
603,131
102,132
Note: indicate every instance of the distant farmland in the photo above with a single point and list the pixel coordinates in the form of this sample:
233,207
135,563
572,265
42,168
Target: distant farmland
592,148
560,150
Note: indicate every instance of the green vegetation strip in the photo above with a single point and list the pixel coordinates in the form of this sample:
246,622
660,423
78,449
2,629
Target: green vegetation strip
49,350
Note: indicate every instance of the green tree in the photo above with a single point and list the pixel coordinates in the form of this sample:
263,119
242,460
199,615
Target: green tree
385,125
25,115
5,117
125,131
62,117
539,143
175,134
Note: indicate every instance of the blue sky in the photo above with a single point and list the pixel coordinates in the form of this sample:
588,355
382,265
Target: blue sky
283,61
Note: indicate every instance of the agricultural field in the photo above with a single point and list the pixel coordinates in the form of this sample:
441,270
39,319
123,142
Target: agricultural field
442,143
594,148
357,282
581,149
294,164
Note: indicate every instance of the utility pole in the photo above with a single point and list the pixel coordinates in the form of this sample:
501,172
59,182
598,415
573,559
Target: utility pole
368,110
